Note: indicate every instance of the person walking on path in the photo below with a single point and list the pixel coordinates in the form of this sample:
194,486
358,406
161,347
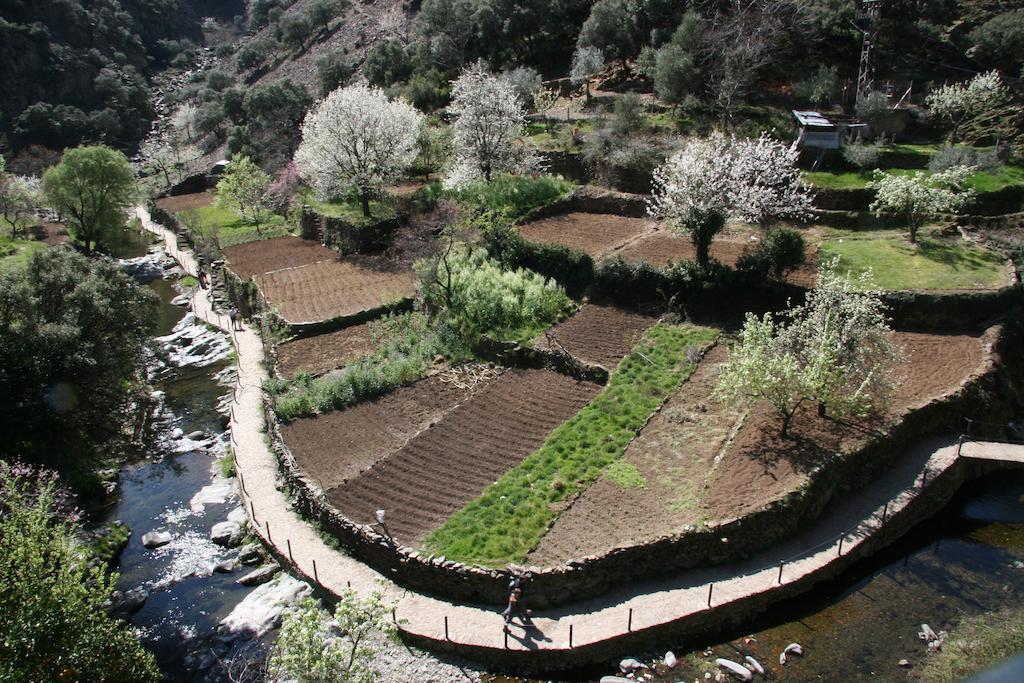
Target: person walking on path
516,604
236,319
204,279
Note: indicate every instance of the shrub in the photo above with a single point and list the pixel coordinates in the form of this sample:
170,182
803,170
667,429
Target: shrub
781,251
950,156
516,195
387,63
862,155
481,298
999,42
252,54
818,87
332,71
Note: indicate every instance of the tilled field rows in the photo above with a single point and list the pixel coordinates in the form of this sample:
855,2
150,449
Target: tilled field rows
331,289
595,233
600,335
448,464
337,446
264,256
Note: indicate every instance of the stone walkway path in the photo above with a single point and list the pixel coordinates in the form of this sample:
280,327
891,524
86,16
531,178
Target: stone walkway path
646,606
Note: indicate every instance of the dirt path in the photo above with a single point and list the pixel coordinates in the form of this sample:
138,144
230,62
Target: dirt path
601,622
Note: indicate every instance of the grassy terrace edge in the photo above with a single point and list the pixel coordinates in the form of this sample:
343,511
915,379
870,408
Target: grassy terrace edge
511,516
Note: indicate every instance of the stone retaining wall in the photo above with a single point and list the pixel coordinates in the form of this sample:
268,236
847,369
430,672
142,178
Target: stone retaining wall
589,576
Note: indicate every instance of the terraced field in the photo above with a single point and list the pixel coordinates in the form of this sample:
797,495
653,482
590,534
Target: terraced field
324,352
448,464
331,289
264,256
337,446
594,233
600,335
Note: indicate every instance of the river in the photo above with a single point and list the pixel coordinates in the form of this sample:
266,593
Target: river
967,560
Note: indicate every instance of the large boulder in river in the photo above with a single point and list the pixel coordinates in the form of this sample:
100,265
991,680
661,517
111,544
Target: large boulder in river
155,539
259,576
228,534
263,608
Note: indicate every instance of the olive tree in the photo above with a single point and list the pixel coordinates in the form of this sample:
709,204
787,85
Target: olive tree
243,190
313,647
357,139
920,197
835,350
92,188
587,61
958,102
489,127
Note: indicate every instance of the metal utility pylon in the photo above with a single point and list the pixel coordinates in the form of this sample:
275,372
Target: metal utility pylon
868,25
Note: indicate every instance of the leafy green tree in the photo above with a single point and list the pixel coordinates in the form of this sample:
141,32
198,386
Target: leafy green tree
999,42
321,12
387,63
91,188
243,189
836,350
314,647
52,616
332,70
611,27
274,114
587,61
674,74
72,336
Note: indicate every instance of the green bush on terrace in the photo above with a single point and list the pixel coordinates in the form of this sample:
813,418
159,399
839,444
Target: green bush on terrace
484,299
516,195
512,515
405,344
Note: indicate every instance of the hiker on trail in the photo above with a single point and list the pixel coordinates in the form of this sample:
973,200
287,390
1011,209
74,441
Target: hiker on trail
204,279
236,319
516,604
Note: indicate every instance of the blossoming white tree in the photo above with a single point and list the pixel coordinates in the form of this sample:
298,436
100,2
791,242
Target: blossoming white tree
692,190
920,197
958,102
708,180
766,183
836,350
357,139
489,128
19,197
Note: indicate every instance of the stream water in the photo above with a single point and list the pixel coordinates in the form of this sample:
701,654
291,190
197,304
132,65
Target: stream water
967,560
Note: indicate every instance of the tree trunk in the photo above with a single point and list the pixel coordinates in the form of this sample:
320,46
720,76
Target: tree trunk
703,248
364,198
822,409
913,232
586,88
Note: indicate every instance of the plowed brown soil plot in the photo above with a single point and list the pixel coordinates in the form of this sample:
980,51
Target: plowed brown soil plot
701,460
337,446
187,201
595,233
598,335
264,256
331,289
324,352
662,247
446,466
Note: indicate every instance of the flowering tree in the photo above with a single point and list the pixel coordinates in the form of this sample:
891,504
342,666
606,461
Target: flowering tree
489,127
357,139
587,60
243,189
692,190
711,179
313,648
958,102
766,183
19,197
920,197
836,350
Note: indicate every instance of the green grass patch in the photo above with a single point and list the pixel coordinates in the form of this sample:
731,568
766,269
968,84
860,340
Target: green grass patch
512,515
226,464
557,137
979,182
625,475
15,253
352,210
513,194
977,643
933,264
188,281
229,228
